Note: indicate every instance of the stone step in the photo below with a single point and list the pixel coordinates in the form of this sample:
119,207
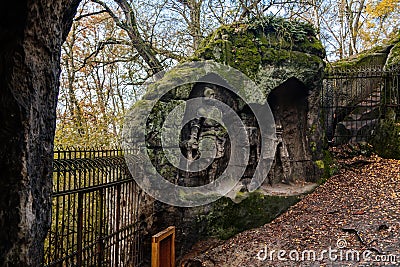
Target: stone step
373,98
367,103
365,107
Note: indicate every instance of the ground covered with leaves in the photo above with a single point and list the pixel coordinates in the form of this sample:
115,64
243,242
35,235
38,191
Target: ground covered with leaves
351,220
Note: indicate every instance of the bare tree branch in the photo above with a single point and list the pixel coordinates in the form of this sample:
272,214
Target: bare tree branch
100,47
112,14
90,14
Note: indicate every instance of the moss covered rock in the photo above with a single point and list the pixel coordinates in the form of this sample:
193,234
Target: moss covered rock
384,55
394,54
228,218
285,60
272,51
269,41
386,138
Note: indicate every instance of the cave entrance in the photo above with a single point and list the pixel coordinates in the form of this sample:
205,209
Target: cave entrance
289,105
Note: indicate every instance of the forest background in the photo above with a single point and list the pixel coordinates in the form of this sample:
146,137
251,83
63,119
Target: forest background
114,46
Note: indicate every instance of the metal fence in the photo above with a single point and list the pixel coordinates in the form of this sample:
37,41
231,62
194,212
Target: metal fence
353,101
95,214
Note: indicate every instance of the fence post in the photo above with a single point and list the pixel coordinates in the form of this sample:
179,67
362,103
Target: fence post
100,240
80,228
117,226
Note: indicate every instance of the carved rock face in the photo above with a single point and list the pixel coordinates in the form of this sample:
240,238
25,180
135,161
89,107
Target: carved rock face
294,160
295,108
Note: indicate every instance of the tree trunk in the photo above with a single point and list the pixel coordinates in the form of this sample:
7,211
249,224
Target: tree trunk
31,34
195,23
130,25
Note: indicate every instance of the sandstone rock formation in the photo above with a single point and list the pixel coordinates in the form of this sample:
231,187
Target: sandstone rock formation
285,60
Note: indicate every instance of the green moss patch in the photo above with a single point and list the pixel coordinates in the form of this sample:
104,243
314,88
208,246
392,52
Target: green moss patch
374,56
386,138
327,164
227,218
388,54
247,46
394,56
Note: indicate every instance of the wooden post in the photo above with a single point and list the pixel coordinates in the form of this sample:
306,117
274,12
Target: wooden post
163,248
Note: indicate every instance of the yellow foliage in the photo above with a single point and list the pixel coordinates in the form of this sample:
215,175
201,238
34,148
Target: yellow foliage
382,8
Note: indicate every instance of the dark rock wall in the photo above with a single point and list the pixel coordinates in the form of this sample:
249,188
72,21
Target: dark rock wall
31,34
294,162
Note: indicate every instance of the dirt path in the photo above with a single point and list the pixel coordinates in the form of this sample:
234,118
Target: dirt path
351,220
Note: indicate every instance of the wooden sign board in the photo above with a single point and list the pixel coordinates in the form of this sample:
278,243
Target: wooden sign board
163,248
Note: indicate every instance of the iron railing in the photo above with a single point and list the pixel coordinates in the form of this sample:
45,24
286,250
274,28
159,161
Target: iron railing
354,99
95,214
